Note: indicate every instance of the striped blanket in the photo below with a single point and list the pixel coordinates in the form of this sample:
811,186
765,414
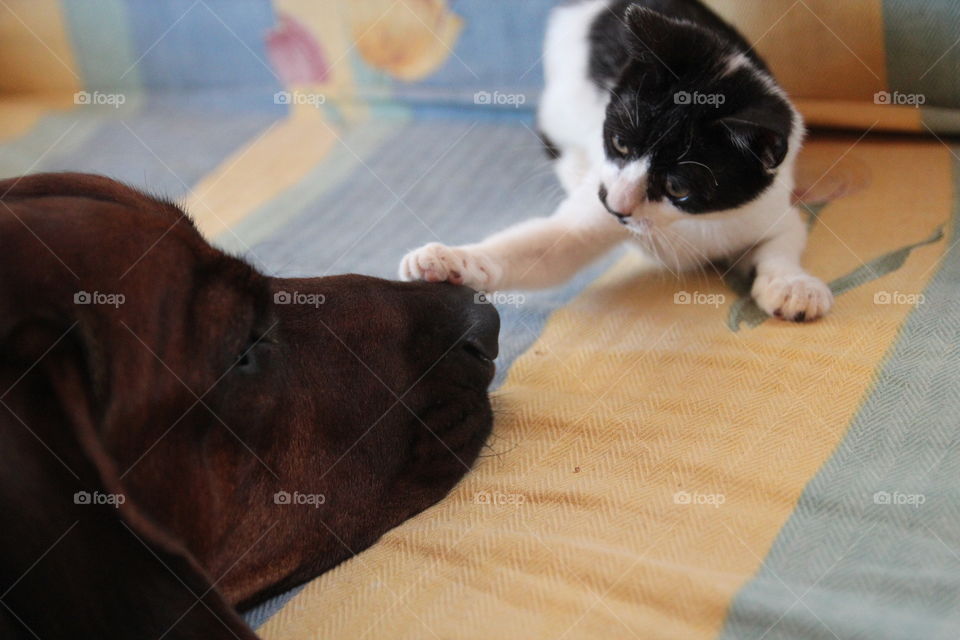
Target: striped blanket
666,463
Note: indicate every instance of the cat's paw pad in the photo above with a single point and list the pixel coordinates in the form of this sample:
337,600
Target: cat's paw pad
436,262
799,298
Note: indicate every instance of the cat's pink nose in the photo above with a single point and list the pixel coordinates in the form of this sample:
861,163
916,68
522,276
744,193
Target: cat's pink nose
620,201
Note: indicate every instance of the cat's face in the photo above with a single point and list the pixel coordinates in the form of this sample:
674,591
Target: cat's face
691,127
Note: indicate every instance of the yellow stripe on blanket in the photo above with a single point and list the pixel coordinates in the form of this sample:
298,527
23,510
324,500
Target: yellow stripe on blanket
21,113
36,56
278,158
294,152
647,456
37,66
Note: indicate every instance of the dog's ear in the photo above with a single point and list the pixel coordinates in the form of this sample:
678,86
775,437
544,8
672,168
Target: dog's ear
79,558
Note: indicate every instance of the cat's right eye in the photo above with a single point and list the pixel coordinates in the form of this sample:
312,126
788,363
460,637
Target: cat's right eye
677,190
621,148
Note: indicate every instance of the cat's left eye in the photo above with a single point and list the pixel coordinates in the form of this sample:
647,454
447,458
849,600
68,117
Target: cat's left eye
677,190
621,148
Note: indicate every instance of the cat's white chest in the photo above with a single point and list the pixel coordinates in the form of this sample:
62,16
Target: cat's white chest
683,242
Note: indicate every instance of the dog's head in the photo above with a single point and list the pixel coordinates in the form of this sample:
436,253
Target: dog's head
183,409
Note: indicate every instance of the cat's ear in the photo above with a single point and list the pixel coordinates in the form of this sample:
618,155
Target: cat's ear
762,132
662,41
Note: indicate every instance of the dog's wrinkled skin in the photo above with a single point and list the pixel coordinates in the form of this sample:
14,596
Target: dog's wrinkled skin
197,395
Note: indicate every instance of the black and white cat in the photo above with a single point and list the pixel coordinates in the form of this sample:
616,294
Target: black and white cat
669,131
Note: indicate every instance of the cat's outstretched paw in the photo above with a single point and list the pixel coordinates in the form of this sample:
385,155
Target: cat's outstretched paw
800,298
436,262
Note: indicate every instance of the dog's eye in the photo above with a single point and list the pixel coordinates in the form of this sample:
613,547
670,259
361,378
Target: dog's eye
247,358
620,147
677,190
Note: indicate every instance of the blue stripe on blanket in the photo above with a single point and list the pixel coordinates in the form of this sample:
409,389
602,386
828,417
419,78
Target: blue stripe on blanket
922,56
161,143
872,549
189,45
105,55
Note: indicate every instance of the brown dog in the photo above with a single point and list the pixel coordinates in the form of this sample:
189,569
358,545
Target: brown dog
182,436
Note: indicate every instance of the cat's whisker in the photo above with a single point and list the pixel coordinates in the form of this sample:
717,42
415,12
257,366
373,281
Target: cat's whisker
652,239
687,150
669,240
701,263
634,118
700,164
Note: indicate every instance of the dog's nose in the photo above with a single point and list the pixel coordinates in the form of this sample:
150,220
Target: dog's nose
483,332
481,322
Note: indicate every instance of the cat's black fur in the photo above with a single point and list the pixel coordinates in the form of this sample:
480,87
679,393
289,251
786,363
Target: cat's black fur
608,55
646,53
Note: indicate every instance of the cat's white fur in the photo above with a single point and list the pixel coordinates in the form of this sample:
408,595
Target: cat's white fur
768,234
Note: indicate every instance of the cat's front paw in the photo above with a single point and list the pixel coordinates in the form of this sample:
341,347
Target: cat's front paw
436,262
800,298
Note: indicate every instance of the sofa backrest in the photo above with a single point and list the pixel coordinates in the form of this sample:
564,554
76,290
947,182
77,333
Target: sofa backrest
883,64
